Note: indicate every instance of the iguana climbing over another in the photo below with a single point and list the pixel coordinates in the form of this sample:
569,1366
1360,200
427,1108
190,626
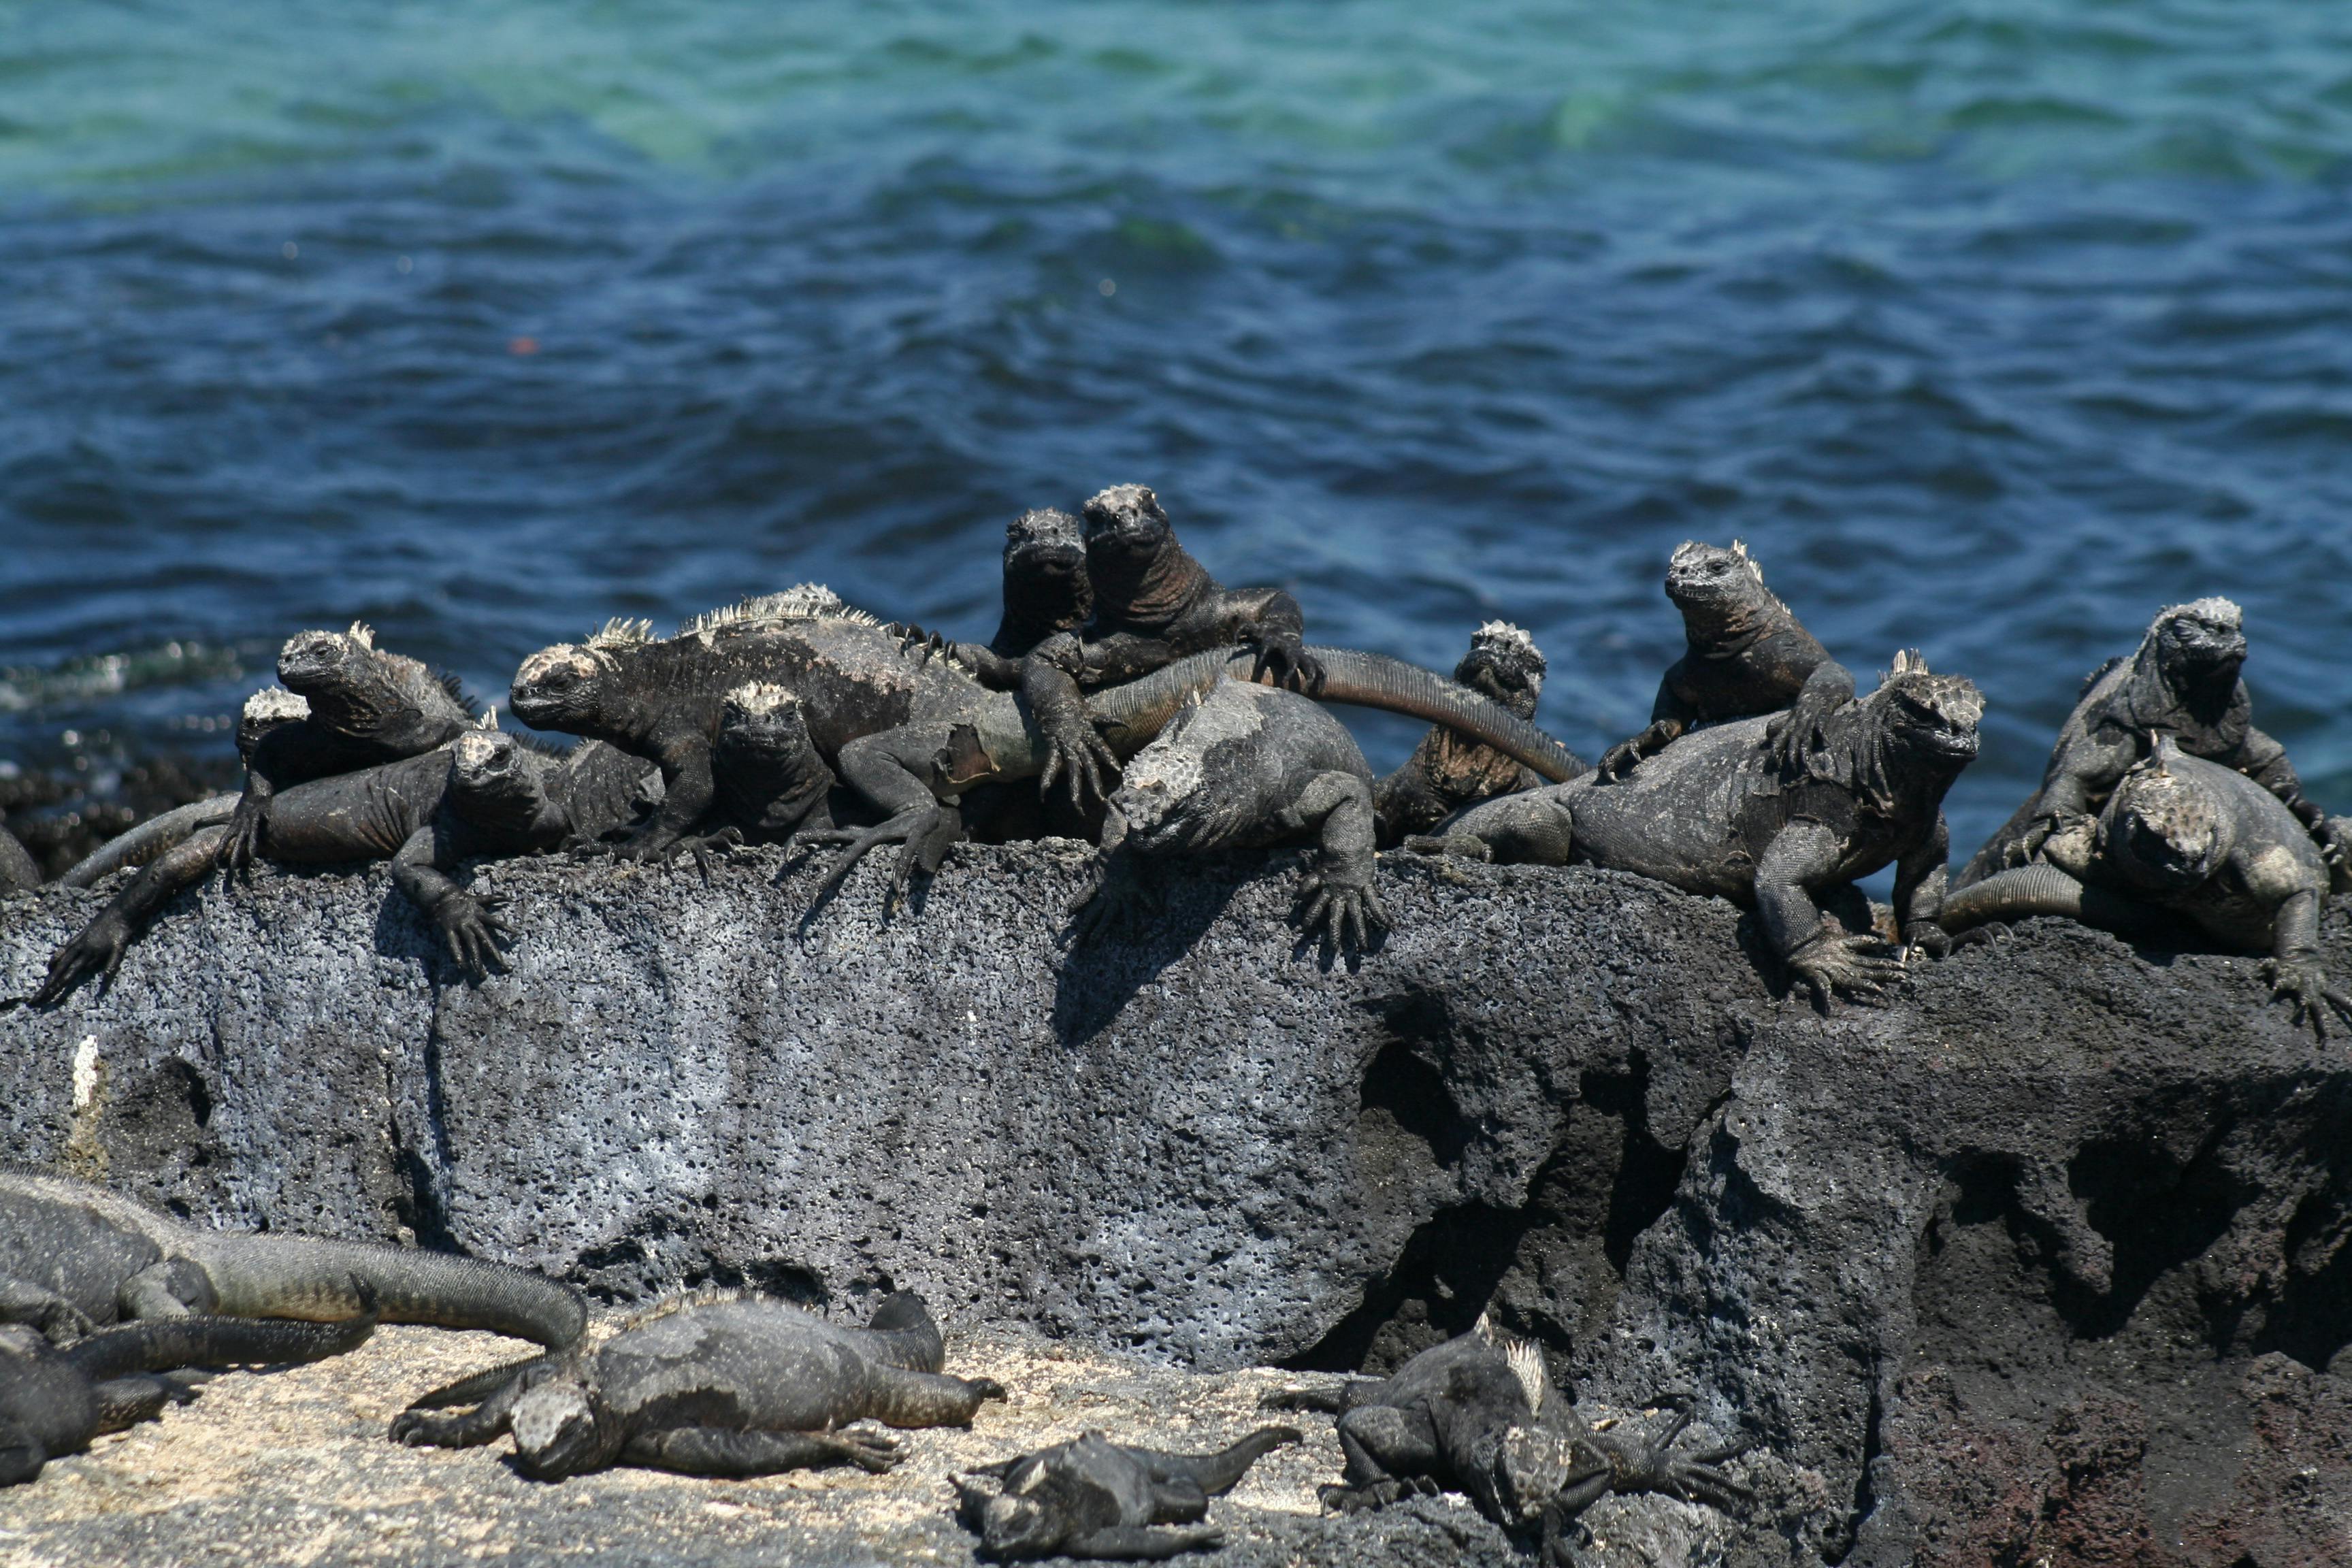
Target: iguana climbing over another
1448,771
2182,836
53,1401
2183,682
365,708
1746,655
74,1256
721,1385
485,795
1716,813
1097,1498
1479,1414
1244,767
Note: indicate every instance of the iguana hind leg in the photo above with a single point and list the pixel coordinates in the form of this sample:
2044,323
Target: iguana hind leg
902,771
1142,1543
21,1301
724,1451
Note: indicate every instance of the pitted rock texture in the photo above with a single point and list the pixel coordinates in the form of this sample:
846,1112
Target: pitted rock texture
2047,1261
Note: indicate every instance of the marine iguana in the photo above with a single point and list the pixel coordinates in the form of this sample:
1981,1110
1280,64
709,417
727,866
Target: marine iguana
909,733
1746,655
1479,1414
1097,1498
366,707
18,872
1241,767
2190,837
485,794
74,1256
1447,771
721,1385
53,1401
2182,681
1715,813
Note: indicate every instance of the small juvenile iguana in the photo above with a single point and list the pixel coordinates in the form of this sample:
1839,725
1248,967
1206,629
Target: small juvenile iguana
74,1256
1479,1414
1449,771
53,1401
364,708
1714,812
2183,682
1097,1498
2190,837
1746,655
1244,767
721,1385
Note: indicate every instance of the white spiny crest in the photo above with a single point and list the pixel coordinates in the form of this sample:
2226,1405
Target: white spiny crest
806,602
1527,1364
489,720
762,696
1739,548
1503,632
1908,661
273,704
621,632
364,635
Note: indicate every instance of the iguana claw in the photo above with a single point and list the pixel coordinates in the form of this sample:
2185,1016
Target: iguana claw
1078,755
96,947
474,934
2306,987
1861,967
925,835
1348,914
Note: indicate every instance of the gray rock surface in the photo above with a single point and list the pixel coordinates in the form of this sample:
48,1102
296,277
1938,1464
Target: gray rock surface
2049,1260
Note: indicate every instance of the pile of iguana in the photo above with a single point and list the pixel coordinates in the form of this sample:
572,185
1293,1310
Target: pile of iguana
1097,1498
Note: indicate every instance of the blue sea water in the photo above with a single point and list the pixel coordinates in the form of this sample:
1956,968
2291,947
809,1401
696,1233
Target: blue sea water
1991,326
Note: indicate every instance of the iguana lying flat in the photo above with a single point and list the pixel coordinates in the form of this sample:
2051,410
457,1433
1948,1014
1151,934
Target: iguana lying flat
2193,838
721,1385
1748,656
365,708
1714,812
74,1256
53,1401
1449,771
1244,767
1479,1414
2182,681
485,794
1097,1498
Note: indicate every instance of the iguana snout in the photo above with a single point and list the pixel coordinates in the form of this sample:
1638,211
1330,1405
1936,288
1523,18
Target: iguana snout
1530,1468
555,686
313,660
1125,521
555,1431
1698,574
2201,641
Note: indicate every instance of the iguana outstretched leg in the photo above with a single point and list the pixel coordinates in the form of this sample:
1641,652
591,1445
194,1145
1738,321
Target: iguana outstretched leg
1094,1498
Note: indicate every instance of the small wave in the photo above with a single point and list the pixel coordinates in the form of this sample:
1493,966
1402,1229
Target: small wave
23,689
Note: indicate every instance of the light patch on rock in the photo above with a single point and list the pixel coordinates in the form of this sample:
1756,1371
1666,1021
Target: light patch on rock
89,1072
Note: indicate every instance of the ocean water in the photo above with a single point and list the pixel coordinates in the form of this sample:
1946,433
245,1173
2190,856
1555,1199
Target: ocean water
1992,327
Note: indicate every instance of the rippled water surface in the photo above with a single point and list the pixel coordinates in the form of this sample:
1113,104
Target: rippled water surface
1992,327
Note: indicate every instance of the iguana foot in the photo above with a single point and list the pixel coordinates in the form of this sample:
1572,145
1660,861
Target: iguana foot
474,932
1795,738
1859,967
1284,657
924,834
1348,913
1458,846
97,948
703,845
2306,986
241,846
1927,937
1076,754
1650,1465
871,1451
1120,906
1617,761
1339,1498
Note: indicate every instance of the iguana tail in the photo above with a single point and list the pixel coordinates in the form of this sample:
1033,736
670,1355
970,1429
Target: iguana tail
163,1344
1135,712
149,839
326,1281
2039,888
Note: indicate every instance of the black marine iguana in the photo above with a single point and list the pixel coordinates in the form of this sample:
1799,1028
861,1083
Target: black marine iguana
1716,813
485,795
1746,655
19,872
1097,1498
53,1401
2182,681
365,707
1244,767
910,734
721,1385
74,1256
1448,771
1479,1414
2182,836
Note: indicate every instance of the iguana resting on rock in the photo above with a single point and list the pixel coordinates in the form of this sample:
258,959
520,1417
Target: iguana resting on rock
908,732
1244,767
1448,771
721,1385
1097,1498
1479,1414
18,872
2183,682
485,795
2193,838
53,1401
74,1256
1714,812
1748,656
365,708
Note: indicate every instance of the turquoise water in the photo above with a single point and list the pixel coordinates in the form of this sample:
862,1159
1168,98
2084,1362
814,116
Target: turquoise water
1991,327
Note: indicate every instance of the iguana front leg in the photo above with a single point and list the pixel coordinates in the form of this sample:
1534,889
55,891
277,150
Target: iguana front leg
469,928
1800,734
906,772
725,1451
1275,627
2293,969
1074,751
687,790
60,1321
1919,880
1339,896
1801,856
99,945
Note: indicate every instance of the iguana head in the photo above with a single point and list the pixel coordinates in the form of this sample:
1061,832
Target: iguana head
561,687
1720,593
1928,715
2159,831
765,718
1045,571
559,1430
2198,642
1125,522
1505,663
490,778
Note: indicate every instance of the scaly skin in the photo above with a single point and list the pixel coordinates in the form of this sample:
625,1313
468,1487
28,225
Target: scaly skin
727,1386
1449,770
366,708
1478,1415
2182,682
1716,813
1097,1498
18,873
1748,656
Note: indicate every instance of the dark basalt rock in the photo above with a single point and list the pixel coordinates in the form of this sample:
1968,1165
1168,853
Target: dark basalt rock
2048,1258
